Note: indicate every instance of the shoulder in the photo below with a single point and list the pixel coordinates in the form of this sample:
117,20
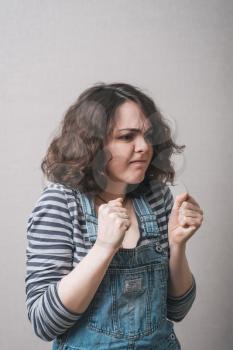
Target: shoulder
57,191
56,198
160,197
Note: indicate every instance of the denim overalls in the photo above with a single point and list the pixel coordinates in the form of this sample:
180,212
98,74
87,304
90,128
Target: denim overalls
129,308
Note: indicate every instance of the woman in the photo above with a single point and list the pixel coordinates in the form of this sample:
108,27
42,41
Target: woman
106,262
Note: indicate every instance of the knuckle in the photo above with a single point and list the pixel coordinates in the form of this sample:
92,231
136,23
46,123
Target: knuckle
108,209
102,207
118,221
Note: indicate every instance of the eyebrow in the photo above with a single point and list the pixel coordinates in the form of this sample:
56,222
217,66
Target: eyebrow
134,129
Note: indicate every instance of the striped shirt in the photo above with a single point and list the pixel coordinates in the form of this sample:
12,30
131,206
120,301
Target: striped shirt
57,242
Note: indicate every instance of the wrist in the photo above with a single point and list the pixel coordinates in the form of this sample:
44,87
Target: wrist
106,247
178,248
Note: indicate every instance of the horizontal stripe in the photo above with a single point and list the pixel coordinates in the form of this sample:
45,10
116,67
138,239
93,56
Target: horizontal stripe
58,241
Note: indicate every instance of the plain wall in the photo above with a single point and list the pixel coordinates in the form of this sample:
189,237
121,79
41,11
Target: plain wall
178,52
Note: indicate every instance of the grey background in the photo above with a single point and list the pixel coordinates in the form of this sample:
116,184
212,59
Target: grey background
178,52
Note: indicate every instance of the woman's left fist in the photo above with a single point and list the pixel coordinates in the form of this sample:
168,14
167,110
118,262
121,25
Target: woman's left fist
185,218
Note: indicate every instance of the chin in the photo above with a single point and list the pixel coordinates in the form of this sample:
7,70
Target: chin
136,179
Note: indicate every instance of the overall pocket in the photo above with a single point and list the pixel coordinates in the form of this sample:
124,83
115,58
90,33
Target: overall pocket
130,303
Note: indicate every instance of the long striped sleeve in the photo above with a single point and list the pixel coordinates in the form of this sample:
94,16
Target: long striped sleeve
177,307
49,257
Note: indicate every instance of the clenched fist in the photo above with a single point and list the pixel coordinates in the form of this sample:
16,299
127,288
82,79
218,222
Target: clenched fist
113,222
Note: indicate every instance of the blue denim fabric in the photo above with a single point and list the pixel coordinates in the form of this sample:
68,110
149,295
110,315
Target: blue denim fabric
129,308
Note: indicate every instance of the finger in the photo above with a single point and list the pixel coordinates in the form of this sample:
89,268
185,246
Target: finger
191,204
121,210
179,200
117,199
123,216
116,209
114,204
189,221
189,208
192,200
117,202
189,231
127,224
190,212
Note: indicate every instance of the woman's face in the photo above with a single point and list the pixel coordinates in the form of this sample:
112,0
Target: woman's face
129,146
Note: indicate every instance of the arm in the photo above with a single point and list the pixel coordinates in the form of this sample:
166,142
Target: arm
85,279
50,267
180,276
181,285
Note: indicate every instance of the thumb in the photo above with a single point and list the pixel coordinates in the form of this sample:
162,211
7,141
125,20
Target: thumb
118,201
179,200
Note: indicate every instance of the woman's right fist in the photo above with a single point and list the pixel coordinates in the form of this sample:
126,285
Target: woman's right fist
113,222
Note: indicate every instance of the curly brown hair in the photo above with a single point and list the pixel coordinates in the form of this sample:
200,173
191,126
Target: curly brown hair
76,156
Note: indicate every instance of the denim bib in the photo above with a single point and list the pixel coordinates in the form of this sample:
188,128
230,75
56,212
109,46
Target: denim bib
129,308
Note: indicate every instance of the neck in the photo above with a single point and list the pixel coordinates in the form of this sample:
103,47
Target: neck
114,189
105,196
104,200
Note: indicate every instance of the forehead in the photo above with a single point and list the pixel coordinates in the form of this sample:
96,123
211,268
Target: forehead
130,115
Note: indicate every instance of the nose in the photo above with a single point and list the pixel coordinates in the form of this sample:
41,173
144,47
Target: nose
141,145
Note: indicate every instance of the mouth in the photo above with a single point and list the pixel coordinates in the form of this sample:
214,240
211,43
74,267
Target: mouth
138,162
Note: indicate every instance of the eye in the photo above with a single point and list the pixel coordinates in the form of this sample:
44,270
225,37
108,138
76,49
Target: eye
149,136
126,137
